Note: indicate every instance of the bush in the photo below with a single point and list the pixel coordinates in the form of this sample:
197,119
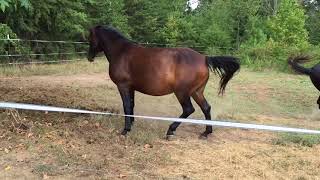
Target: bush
269,55
10,47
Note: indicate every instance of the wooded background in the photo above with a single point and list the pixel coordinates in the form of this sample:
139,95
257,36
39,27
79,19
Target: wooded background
263,33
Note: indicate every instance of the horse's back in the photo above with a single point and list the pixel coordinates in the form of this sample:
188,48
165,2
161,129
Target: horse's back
160,71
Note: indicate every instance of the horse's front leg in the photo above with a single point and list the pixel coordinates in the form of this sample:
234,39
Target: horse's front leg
127,100
319,102
132,105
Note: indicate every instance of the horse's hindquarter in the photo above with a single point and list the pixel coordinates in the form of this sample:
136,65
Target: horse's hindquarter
315,76
192,70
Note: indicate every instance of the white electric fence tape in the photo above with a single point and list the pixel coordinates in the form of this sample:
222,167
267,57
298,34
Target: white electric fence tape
8,105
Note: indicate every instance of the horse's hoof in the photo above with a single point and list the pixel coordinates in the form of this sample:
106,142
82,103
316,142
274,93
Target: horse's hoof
124,132
203,136
170,137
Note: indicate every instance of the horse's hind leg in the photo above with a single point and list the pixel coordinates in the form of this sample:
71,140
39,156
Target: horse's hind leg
205,107
187,108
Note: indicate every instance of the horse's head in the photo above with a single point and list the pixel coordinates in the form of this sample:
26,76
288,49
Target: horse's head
95,45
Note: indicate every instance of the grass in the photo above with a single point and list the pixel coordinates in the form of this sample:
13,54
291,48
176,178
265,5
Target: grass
78,67
278,96
143,133
44,169
299,139
93,144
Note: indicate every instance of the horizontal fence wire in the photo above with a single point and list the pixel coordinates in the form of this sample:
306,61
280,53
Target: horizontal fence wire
144,43
220,123
36,54
42,62
46,41
40,58
28,51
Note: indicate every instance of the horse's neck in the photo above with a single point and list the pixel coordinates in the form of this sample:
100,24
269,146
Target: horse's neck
113,50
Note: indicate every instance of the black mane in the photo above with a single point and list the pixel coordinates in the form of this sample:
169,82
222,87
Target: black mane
115,33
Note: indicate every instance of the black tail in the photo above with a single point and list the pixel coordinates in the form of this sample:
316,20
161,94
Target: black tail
294,62
225,67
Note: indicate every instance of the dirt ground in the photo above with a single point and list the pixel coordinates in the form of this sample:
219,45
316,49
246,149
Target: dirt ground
38,145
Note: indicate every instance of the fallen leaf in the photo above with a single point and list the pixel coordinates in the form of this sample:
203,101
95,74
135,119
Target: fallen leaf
30,135
84,156
7,168
45,176
147,146
20,145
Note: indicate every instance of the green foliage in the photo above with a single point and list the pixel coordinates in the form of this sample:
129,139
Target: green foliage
262,33
155,21
5,4
108,12
300,139
7,45
171,32
288,25
274,36
269,54
210,25
313,23
255,32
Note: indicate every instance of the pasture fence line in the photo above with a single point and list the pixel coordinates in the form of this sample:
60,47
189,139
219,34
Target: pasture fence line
33,51
29,51
45,41
144,43
43,62
32,107
38,54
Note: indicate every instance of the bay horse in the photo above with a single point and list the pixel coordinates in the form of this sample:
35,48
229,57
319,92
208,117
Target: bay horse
313,73
158,72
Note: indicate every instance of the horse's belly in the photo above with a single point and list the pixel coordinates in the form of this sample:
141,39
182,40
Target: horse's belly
154,87
154,90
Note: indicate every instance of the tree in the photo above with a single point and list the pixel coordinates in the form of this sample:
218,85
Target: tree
312,22
108,12
8,4
288,25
